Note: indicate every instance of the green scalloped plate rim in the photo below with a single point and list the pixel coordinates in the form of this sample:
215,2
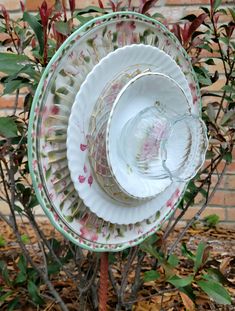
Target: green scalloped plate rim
48,212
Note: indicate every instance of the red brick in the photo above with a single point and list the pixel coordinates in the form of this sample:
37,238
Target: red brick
229,198
192,2
208,211
217,86
11,5
230,167
33,5
218,198
229,182
9,102
231,214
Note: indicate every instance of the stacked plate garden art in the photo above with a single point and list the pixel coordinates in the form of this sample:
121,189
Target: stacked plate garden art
115,131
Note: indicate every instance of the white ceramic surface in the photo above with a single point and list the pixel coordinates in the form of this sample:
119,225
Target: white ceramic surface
144,91
130,58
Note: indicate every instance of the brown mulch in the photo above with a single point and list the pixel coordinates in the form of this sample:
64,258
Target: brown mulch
220,239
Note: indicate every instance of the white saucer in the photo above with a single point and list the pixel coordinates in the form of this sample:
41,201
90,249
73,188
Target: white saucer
143,91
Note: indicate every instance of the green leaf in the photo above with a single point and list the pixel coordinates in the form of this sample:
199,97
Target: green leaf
33,292
22,264
210,61
5,296
36,27
83,19
14,84
186,252
63,28
228,117
206,10
215,291
228,157
157,15
13,304
173,260
21,277
8,127
11,63
4,272
91,9
199,256
232,12
180,282
53,268
151,275
2,241
211,220
33,201
215,275
25,238
217,3
31,72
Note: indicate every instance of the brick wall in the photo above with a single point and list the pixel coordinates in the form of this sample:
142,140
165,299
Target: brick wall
223,203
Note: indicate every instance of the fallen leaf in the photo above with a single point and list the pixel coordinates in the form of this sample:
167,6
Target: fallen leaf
188,303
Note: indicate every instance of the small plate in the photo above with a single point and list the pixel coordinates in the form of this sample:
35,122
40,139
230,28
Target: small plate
143,91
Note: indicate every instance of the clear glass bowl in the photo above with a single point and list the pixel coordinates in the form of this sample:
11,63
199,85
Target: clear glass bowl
163,146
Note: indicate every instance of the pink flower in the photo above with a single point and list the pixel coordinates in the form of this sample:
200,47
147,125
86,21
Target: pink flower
88,234
81,179
55,110
94,237
56,217
171,202
90,180
40,186
126,30
35,163
85,169
83,147
44,84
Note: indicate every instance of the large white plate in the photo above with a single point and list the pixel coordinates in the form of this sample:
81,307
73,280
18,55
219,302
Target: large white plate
128,58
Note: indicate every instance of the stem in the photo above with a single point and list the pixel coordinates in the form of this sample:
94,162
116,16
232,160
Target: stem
167,233
159,293
103,291
11,201
197,215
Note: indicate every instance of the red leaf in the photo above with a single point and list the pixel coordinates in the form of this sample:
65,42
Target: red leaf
22,6
112,5
72,5
147,5
177,32
45,13
101,4
185,32
5,15
196,23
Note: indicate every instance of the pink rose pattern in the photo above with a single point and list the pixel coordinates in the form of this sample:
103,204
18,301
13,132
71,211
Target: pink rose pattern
126,32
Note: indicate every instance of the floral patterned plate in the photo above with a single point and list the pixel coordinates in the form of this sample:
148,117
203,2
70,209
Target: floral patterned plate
128,60
50,112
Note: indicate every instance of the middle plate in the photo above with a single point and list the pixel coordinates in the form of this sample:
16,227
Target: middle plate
129,60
